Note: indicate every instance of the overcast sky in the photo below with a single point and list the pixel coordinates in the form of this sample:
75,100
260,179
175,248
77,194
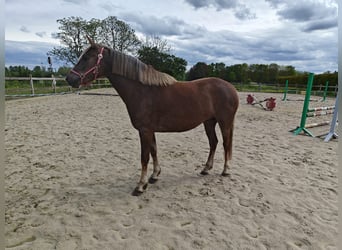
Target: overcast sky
287,32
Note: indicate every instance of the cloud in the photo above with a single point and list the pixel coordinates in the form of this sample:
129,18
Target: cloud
24,29
41,34
151,25
298,13
320,25
78,2
218,4
284,46
310,15
274,3
108,7
303,11
241,11
30,54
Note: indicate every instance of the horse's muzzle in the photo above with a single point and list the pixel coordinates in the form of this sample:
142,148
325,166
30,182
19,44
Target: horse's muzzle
73,80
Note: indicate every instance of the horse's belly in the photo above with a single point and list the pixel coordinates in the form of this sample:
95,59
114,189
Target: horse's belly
180,122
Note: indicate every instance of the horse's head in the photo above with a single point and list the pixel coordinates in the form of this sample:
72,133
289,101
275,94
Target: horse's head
89,66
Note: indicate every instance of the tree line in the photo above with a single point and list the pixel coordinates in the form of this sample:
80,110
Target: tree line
259,73
152,50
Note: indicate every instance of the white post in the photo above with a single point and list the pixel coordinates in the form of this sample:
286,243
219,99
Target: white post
332,133
54,83
32,87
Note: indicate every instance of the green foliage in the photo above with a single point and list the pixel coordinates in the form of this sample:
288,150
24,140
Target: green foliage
163,62
301,80
110,31
37,71
62,71
118,35
17,71
72,35
244,73
199,70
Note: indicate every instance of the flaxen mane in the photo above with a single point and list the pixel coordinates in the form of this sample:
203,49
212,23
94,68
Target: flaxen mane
135,69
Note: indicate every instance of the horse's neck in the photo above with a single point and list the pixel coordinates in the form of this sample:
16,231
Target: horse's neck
130,91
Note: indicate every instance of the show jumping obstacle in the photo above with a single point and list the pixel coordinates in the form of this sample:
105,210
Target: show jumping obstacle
270,102
313,112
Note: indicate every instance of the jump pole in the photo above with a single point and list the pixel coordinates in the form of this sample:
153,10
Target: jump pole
332,133
317,124
305,108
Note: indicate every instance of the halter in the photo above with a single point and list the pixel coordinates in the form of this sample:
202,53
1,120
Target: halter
94,70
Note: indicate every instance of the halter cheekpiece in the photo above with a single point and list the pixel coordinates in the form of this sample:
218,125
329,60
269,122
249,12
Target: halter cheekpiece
94,70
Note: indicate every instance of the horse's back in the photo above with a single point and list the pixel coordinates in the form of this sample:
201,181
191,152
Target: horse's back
222,93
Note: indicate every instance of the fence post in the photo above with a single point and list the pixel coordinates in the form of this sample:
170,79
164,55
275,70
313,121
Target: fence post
32,87
325,91
305,108
286,89
54,83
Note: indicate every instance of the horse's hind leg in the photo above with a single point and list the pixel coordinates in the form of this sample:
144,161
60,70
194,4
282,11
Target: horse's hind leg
156,168
227,135
209,126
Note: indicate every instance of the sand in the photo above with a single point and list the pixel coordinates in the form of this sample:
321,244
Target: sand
72,162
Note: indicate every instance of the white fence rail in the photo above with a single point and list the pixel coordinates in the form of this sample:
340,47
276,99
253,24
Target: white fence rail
41,86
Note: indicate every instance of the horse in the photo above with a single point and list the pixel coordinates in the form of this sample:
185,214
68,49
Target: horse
157,102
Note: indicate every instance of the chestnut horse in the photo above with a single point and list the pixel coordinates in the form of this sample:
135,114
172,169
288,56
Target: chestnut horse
156,102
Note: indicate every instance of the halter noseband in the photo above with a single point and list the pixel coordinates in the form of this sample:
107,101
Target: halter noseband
94,70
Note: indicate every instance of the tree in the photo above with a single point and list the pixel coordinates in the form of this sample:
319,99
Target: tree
110,31
17,71
63,71
37,71
217,70
118,35
72,35
287,71
154,41
273,72
199,70
164,62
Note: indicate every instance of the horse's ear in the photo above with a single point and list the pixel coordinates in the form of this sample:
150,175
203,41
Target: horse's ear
92,43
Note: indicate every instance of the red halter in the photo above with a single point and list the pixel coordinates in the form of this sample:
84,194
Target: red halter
94,70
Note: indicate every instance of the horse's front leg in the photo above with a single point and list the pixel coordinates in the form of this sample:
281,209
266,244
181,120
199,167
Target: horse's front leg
156,168
146,139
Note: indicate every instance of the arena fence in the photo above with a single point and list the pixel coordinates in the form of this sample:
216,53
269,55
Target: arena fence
21,87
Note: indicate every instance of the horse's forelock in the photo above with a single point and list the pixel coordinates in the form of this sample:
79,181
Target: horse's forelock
82,54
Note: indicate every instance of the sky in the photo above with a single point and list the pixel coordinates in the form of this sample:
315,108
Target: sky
287,32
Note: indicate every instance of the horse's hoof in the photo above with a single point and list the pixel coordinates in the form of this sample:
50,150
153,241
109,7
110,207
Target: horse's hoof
204,172
152,180
225,174
137,192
